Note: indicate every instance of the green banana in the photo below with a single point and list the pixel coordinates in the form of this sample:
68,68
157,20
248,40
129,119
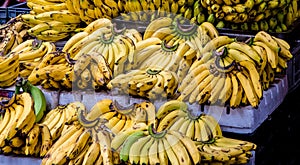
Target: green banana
124,153
40,104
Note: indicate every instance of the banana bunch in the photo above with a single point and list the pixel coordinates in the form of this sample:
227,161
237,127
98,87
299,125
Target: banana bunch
175,115
116,45
55,22
54,71
173,31
225,150
59,118
152,147
9,69
12,33
83,141
115,117
148,83
156,53
91,71
92,10
31,53
18,119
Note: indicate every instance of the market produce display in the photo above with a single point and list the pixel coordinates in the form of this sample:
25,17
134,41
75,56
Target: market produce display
180,60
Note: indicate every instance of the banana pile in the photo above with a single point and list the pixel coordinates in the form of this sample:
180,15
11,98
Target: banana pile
30,54
151,83
9,69
102,36
233,72
271,16
50,20
175,115
18,118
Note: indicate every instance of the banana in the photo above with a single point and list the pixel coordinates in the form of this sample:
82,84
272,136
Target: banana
62,15
135,149
32,140
170,106
92,153
11,128
125,150
16,142
210,29
271,54
262,52
155,25
178,148
192,91
8,62
79,145
248,88
213,124
254,76
267,39
170,119
217,42
74,39
46,139
57,128
27,110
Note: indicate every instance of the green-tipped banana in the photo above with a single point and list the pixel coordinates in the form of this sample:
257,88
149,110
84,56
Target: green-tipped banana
40,104
124,153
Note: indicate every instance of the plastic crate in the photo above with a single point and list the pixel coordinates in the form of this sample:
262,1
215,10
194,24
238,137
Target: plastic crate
3,15
15,10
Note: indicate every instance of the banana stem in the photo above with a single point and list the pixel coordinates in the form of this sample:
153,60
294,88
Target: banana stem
152,131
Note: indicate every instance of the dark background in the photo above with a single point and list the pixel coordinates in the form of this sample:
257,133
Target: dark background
276,139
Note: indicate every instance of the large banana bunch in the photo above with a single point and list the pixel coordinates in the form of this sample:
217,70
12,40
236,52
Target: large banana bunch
31,53
152,147
18,120
50,20
60,117
116,45
151,83
158,54
226,150
9,69
176,115
54,71
172,31
115,117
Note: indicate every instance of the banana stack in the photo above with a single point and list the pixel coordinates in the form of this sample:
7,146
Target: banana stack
270,16
50,20
152,147
82,141
235,73
60,117
54,71
150,83
175,115
116,117
31,53
225,150
146,11
18,120
9,69
116,45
